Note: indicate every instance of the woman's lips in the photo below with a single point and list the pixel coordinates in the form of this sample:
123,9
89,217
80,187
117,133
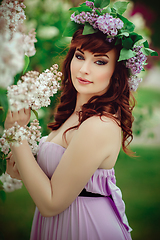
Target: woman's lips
83,81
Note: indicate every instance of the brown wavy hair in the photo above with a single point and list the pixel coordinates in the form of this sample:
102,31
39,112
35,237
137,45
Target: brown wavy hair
117,103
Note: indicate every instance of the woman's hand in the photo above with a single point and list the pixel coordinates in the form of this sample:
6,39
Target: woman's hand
22,117
12,167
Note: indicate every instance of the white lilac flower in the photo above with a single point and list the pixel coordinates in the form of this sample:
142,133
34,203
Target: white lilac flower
34,90
16,134
14,44
29,40
10,184
13,13
11,57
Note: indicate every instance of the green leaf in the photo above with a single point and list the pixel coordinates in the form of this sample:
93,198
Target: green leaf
70,29
104,3
126,34
148,51
146,44
118,41
98,12
26,63
127,43
128,26
101,3
35,113
2,195
4,101
135,37
82,8
106,10
126,54
88,29
2,163
17,77
120,7
97,3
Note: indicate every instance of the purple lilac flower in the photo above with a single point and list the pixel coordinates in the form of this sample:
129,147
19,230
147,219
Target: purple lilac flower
136,63
133,82
85,17
109,25
89,4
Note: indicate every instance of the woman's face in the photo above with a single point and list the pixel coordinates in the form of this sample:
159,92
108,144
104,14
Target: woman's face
91,73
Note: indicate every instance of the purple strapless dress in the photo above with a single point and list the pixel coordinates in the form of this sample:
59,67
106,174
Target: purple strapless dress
87,218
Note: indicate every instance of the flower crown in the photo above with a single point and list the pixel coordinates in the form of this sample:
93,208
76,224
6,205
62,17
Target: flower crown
100,15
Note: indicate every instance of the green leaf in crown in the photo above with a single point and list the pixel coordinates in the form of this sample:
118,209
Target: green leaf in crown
101,3
120,7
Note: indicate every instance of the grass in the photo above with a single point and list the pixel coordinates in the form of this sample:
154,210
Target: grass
147,97
139,180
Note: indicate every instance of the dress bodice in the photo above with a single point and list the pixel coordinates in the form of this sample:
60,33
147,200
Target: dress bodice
103,181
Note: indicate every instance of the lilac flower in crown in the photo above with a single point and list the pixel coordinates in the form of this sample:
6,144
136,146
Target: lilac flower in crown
133,82
85,17
105,23
109,25
135,64
89,4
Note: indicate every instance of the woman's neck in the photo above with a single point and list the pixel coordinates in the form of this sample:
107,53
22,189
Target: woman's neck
80,101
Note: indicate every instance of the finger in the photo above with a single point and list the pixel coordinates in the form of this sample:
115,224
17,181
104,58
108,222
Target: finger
27,111
9,115
11,161
15,169
9,155
15,116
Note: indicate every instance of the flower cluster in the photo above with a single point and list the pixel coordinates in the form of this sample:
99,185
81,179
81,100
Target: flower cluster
16,134
14,43
105,23
11,58
33,135
34,90
10,184
13,13
83,17
28,43
133,82
135,64
109,25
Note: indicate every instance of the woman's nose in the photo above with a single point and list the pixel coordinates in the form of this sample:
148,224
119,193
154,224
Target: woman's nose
85,68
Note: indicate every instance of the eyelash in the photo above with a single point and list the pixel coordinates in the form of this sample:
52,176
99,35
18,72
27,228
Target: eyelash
98,62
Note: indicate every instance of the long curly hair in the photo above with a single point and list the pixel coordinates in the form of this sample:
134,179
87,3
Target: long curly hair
117,103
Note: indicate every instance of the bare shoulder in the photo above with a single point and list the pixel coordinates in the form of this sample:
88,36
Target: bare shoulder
103,126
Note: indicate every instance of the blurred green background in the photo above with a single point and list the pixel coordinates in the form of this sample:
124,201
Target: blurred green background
138,178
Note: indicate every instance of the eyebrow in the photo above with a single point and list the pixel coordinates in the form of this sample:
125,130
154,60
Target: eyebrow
95,55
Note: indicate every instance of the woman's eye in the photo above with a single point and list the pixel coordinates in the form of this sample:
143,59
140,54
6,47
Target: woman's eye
100,62
78,56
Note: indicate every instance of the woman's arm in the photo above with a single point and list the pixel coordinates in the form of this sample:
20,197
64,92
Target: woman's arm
90,146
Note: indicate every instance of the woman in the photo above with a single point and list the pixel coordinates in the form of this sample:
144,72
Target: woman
72,182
